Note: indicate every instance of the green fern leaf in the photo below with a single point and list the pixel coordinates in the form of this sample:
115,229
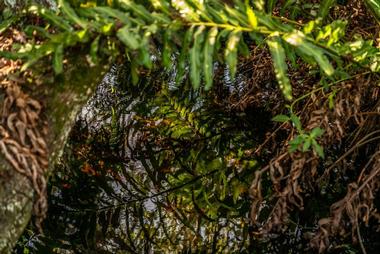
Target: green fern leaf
58,59
166,52
325,7
58,21
114,13
297,39
374,6
208,53
94,50
280,67
230,54
66,8
195,57
130,39
137,9
184,52
270,5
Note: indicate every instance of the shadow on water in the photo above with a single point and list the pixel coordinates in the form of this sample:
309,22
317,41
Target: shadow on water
151,168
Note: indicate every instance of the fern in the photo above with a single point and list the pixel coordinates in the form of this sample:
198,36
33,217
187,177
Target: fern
193,29
278,55
374,7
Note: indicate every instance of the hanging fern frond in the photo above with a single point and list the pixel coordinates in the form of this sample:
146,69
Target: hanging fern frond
208,57
299,41
188,29
374,7
280,67
196,57
230,53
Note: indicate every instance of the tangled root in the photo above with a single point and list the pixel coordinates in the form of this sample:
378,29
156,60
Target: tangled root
22,132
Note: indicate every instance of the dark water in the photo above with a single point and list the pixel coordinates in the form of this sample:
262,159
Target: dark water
151,168
158,168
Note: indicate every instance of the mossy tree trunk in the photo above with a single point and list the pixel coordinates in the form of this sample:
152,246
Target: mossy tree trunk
62,100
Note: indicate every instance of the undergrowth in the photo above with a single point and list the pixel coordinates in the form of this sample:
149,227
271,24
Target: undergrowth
311,66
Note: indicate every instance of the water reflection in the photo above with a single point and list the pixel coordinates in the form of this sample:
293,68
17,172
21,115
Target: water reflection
159,171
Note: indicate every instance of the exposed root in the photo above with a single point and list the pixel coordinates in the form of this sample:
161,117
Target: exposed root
22,132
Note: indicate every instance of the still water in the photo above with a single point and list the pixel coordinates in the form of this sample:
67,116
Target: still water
151,168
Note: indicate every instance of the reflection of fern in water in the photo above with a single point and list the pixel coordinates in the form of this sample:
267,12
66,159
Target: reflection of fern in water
189,160
180,182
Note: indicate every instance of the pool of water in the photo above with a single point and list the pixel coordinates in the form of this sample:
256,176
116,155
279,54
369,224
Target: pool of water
151,168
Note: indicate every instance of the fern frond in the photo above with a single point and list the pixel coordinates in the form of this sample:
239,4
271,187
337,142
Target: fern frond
196,57
208,56
280,67
189,29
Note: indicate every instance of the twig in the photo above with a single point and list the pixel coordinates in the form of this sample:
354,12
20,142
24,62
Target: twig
359,144
359,235
268,138
147,197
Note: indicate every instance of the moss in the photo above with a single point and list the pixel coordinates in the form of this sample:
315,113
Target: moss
70,92
62,98
15,207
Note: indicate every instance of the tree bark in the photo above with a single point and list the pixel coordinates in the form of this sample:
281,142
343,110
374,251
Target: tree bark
62,101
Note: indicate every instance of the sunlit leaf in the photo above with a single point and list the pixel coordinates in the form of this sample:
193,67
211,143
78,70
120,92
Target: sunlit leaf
297,39
66,8
309,27
184,53
230,53
58,59
325,7
259,4
129,38
281,118
208,53
252,18
280,66
196,57
374,6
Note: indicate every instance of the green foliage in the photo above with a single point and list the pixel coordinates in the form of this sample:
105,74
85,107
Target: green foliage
325,7
183,181
374,7
278,56
208,57
303,141
9,20
194,30
197,163
202,164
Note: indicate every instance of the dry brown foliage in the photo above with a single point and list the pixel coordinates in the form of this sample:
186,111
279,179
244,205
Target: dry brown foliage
352,119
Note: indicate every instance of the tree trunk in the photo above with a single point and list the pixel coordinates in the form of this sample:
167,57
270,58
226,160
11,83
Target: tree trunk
61,100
